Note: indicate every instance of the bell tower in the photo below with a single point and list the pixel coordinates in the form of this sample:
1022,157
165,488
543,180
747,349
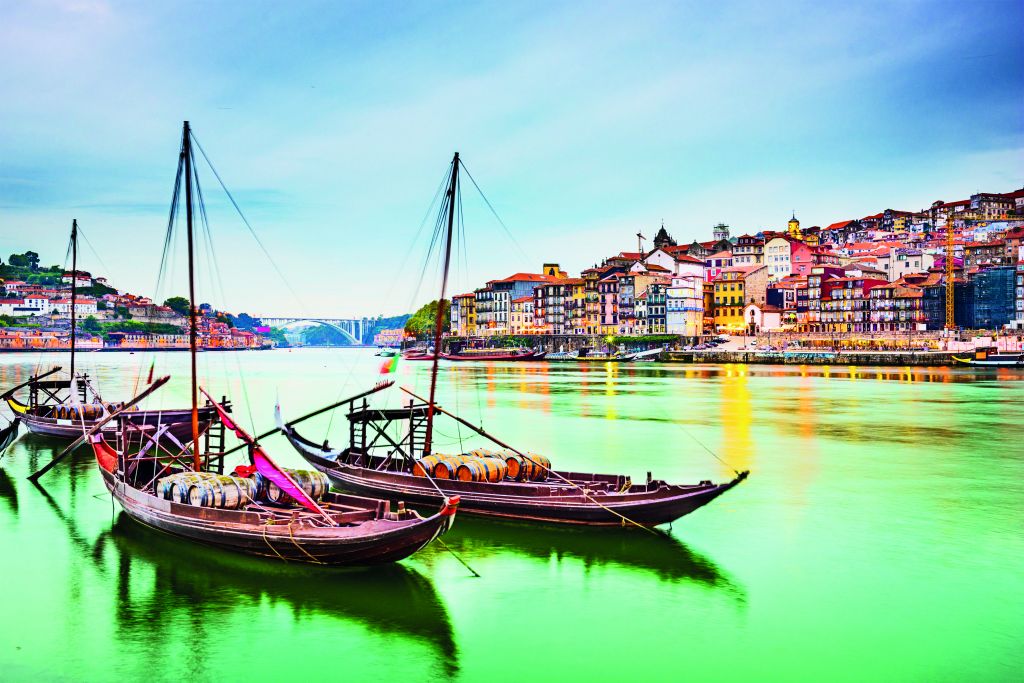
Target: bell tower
794,228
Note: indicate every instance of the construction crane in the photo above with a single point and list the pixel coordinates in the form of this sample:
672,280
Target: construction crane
950,263
950,277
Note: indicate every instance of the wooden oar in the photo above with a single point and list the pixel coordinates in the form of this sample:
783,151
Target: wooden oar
98,426
275,430
10,392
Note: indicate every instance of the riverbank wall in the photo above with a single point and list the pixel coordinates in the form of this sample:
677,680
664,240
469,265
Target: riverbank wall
884,358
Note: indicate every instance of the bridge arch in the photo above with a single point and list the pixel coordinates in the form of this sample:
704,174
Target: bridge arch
306,322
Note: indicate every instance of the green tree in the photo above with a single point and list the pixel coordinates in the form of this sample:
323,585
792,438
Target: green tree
91,324
178,304
422,322
221,318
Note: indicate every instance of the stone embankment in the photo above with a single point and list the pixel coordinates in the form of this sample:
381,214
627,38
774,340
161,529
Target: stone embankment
899,358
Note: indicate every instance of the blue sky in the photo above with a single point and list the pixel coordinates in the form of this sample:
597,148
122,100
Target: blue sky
584,122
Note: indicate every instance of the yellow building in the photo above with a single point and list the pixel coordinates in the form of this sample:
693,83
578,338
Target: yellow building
793,228
521,316
577,306
463,318
730,299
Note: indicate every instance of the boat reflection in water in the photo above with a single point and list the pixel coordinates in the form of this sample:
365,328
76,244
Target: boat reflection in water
198,586
656,553
192,580
8,492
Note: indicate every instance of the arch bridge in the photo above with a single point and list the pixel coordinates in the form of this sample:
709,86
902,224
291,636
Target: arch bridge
350,328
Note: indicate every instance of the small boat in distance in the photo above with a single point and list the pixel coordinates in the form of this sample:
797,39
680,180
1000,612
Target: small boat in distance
510,354
989,356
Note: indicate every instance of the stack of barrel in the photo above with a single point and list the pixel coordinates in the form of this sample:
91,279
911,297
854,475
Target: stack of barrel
208,489
482,464
313,482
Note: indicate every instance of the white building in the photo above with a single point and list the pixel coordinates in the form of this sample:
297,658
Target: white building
684,305
29,305
762,318
778,257
900,262
83,306
82,278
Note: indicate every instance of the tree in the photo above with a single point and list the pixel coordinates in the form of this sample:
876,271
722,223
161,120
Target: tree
221,318
101,305
91,324
178,304
423,321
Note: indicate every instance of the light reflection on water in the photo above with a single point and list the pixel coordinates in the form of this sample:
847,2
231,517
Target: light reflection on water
873,490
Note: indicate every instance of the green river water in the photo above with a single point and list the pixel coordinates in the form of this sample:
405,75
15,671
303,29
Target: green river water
880,537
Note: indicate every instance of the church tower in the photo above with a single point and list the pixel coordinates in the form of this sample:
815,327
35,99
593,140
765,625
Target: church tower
794,228
721,232
663,239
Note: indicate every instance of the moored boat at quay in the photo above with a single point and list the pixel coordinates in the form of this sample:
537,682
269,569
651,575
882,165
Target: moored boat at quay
991,357
260,508
560,497
494,354
240,513
65,408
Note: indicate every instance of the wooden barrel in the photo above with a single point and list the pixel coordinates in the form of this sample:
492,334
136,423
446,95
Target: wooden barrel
482,469
426,465
313,482
224,492
539,467
446,469
517,466
482,453
175,486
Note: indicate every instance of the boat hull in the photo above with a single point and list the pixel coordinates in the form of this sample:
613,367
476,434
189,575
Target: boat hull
179,423
373,542
994,360
560,504
460,357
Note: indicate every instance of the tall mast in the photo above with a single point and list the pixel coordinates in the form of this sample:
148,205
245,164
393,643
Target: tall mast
186,151
441,302
74,293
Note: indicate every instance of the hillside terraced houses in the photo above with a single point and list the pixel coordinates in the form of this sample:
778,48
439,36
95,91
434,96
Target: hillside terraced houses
882,272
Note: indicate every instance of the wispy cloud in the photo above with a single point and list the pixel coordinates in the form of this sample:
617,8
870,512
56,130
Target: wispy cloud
332,124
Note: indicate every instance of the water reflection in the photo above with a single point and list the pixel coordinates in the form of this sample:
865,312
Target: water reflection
535,377
661,555
198,584
162,584
9,492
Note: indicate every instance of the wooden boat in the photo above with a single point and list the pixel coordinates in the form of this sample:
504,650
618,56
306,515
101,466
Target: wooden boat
50,410
561,497
991,357
375,463
494,355
351,531
67,408
185,492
